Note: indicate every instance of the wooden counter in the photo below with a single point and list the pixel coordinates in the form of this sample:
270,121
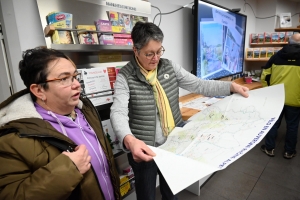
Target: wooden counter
188,112
251,86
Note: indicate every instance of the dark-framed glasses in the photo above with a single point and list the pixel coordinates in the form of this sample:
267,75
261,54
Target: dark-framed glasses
65,80
159,53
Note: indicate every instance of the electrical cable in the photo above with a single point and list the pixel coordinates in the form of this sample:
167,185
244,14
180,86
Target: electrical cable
254,12
159,12
167,13
295,14
244,9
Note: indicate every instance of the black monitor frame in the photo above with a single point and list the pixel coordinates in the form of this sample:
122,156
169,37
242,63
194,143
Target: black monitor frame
197,40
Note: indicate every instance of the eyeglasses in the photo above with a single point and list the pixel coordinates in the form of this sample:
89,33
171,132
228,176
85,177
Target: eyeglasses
159,53
66,80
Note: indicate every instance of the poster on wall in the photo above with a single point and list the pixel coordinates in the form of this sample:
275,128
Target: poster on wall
285,20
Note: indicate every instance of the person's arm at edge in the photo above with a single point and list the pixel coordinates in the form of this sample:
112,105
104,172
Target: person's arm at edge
193,84
140,151
236,88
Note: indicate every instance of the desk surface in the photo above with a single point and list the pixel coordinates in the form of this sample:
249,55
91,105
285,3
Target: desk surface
188,112
251,86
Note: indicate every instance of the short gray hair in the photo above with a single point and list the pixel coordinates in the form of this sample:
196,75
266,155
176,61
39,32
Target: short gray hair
143,32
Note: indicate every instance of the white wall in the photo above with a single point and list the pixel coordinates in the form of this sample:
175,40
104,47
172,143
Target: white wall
22,30
178,32
284,6
5,83
266,8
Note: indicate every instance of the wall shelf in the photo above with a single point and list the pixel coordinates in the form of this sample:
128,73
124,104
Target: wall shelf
257,59
287,29
278,44
267,47
90,48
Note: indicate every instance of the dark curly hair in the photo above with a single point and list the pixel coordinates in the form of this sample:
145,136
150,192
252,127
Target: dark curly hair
33,66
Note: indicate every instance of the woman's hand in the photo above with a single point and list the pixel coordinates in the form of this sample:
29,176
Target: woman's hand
236,88
80,158
140,151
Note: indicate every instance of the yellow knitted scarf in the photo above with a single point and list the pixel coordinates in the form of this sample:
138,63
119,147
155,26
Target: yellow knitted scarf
162,102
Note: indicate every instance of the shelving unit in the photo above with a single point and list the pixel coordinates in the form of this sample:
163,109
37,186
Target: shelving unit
90,48
263,45
278,44
257,59
287,29
49,30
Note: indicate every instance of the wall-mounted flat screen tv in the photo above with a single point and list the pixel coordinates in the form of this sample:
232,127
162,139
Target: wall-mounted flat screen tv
219,41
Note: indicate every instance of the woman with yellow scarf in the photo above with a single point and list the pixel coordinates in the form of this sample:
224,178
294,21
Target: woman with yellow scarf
146,105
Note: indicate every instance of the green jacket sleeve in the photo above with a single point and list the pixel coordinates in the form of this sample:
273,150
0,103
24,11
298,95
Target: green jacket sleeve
31,173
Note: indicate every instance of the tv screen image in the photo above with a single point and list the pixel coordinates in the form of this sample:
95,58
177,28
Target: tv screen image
219,41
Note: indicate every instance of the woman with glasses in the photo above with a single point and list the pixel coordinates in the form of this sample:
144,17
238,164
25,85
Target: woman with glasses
146,105
52,144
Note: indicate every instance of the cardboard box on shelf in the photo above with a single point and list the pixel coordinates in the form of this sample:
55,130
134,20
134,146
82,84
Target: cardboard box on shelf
106,39
103,25
87,37
61,20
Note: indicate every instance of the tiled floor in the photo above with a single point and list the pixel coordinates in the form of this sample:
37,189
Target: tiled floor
255,176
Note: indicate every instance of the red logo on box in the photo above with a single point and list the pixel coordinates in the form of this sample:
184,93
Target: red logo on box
60,17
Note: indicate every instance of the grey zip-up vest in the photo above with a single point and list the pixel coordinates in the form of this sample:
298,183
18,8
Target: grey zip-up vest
142,104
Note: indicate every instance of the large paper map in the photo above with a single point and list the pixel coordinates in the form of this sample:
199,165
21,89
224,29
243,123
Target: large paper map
218,135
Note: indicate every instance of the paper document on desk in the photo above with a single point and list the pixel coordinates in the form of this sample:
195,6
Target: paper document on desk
218,136
200,103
